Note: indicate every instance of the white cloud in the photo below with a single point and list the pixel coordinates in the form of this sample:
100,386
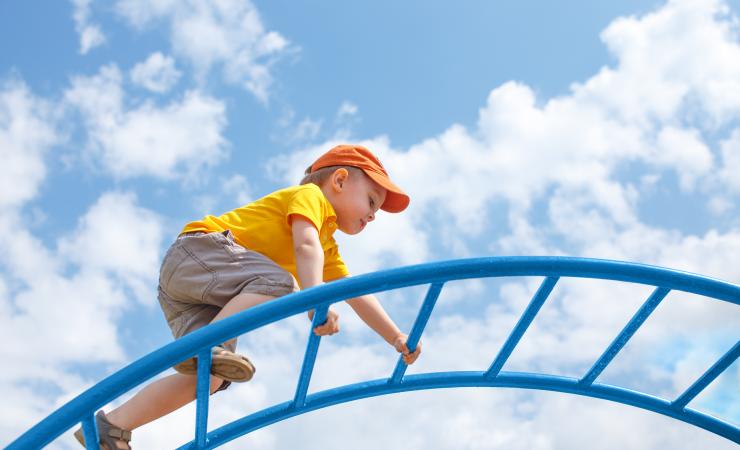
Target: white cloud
347,108
105,240
27,133
304,131
70,304
91,35
238,186
683,53
730,171
291,132
174,141
684,150
64,304
561,156
566,157
225,34
158,73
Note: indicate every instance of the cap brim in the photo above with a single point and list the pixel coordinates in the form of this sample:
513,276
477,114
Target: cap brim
395,200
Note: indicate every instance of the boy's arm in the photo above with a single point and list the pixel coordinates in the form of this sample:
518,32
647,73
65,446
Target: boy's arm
309,256
372,313
309,261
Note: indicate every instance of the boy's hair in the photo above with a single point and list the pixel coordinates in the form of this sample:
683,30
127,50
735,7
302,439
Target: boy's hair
321,175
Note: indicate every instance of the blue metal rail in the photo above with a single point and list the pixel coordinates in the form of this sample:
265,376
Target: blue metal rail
82,408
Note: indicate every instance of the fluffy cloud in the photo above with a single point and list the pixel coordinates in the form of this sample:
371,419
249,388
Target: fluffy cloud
731,162
170,142
684,150
557,167
551,168
104,240
60,308
91,35
27,133
158,73
681,56
210,34
67,304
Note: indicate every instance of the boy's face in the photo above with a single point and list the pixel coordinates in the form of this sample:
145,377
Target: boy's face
356,198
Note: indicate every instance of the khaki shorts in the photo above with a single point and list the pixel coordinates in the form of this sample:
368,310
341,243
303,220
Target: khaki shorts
201,272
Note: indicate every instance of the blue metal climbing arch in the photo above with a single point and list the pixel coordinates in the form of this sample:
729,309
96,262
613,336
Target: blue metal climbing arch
552,269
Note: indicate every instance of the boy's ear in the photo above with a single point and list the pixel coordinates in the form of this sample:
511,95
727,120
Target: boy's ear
338,178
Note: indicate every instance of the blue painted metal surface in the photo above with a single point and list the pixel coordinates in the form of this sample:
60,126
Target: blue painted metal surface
629,330
529,314
202,392
90,430
419,324
312,349
552,268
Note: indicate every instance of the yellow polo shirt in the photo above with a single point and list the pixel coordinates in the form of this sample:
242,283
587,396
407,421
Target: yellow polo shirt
264,227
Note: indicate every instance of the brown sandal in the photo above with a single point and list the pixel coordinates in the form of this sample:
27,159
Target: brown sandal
109,434
225,364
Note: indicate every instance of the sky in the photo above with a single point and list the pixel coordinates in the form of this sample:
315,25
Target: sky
594,129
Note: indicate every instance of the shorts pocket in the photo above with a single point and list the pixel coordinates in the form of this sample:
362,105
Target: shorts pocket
185,277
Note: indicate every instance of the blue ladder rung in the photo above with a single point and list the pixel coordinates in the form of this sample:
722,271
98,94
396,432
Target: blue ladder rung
203,392
309,358
90,431
525,320
417,329
713,372
625,335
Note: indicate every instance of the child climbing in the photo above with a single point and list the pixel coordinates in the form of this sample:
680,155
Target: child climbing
281,243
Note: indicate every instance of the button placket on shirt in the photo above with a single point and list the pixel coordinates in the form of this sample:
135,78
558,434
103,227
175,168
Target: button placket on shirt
327,231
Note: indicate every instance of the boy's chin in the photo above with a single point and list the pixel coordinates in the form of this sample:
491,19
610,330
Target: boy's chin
351,232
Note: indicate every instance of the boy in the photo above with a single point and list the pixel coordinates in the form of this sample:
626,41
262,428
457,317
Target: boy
219,266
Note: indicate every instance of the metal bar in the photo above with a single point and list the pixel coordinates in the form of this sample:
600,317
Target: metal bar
624,336
312,349
90,431
203,387
708,376
419,324
465,379
524,321
148,366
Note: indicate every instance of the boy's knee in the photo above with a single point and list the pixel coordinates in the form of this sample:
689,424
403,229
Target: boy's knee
216,384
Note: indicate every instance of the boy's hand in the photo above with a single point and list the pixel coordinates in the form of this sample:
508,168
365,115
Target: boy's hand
400,345
331,326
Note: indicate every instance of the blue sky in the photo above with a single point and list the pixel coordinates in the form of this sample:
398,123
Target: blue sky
600,129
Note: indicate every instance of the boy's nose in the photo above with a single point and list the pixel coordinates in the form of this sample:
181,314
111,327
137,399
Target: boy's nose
371,217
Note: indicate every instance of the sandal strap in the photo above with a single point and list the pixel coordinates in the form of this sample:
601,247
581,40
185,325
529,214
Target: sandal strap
124,435
108,430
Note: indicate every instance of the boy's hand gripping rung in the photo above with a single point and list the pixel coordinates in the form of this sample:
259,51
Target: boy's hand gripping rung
421,321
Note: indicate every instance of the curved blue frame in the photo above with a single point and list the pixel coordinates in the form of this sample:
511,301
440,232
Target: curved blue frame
82,408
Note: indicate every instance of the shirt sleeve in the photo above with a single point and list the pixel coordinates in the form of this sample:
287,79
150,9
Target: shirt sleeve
334,266
310,204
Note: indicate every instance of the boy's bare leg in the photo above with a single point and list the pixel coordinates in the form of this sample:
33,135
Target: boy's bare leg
156,400
238,304
175,391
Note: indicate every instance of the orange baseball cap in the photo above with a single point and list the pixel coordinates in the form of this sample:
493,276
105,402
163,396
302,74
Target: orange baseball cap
358,156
